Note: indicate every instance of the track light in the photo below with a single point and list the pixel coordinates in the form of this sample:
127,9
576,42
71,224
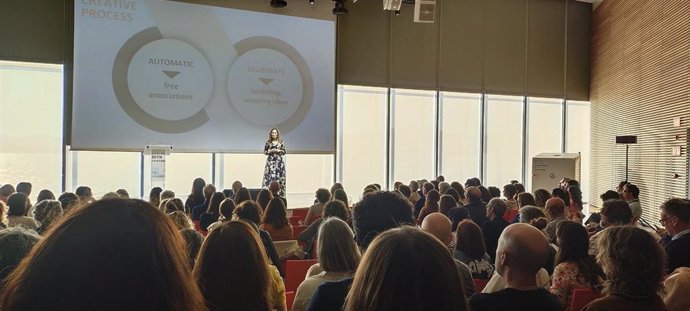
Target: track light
278,3
397,12
311,1
339,8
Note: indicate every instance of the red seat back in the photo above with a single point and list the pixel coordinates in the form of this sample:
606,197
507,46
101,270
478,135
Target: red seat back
299,212
509,216
289,299
582,297
295,221
296,230
479,284
296,272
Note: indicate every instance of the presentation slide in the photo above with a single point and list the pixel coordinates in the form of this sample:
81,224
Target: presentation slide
200,78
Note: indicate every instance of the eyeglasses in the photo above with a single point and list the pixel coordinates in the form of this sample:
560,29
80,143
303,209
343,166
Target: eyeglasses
663,220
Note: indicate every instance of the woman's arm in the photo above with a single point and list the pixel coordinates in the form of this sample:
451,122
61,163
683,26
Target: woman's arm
266,149
281,151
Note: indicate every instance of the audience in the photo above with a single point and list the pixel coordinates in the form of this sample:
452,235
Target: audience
339,194
526,198
25,188
475,207
227,208
430,205
138,264
509,192
236,186
315,211
213,212
155,196
172,205
677,287
575,268
388,277
426,187
46,213
6,191
263,198
494,191
675,217
438,225
460,190
522,250
196,196
414,194
470,250
169,194
233,272
334,208
614,213
3,217
275,221
576,205
634,265
493,227
248,211
85,195
68,200
45,194
15,244
631,194
447,203
199,209
122,193
338,259
443,187
181,220
242,195
540,198
555,211
16,209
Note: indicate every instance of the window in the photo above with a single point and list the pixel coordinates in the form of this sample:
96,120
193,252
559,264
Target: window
460,136
31,126
104,172
362,137
180,171
544,131
503,140
247,168
414,127
577,139
305,173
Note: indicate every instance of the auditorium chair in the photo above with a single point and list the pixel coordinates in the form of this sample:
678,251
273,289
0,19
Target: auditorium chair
479,284
582,297
296,272
289,299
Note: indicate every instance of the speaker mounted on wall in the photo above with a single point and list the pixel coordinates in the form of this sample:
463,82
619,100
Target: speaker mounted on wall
628,139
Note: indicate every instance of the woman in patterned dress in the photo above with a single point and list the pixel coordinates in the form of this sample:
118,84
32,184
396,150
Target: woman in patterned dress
275,163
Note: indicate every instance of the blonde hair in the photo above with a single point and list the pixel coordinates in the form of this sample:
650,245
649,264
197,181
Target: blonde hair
181,220
336,246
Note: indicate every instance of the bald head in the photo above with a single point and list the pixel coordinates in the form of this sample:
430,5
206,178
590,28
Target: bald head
439,226
473,194
555,207
522,248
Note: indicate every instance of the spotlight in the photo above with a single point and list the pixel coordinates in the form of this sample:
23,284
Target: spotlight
311,1
397,12
278,3
339,8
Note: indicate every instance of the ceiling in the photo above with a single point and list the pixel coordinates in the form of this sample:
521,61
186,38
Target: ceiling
595,3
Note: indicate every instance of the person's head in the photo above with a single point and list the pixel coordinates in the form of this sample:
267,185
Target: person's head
263,198
339,194
231,269
573,247
336,208
84,193
172,205
227,207
522,250
274,134
473,194
555,207
529,214
470,239
249,211
15,244
6,191
181,220
632,260
496,208
274,188
237,185
560,193
459,188
447,202
111,195
228,193
486,196
575,194
509,191
675,215
335,187
167,194
631,192
388,277
439,226
435,183
620,186
519,188
615,213
414,186
459,214
242,196
155,196
540,197
24,187
45,194
198,187
405,190
494,192
525,198
47,212
426,187
379,212
323,195
336,247
453,193
440,178
609,195
193,240
16,204
142,258
68,200
443,187
432,197
275,214
122,193
209,190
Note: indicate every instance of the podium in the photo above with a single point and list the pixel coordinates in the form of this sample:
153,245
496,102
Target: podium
158,154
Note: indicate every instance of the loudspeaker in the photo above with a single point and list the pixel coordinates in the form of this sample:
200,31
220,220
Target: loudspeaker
626,139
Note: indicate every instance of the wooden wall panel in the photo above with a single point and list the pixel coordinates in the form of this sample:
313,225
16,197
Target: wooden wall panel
640,81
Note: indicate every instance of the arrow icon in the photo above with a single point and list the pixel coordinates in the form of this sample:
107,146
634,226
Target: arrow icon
266,81
171,74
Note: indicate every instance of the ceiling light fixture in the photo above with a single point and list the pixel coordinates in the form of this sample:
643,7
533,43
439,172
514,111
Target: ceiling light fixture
278,3
339,8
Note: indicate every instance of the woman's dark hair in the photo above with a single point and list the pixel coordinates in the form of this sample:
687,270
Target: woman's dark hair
275,214
45,194
242,195
232,269
617,212
173,205
454,194
83,192
16,204
141,262
575,194
470,239
405,190
540,197
227,207
388,277
335,187
459,189
447,202
248,210
155,196
68,200
632,260
336,208
495,192
15,244
432,199
486,196
519,188
574,247
214,203
525,198
197,188
339,194
560,193
263,198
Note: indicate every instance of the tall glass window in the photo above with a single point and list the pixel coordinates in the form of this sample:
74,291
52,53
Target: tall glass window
544,131
247,168
362,134
577,139
180,171
305,174
414,127
105,172
460,135
503,139
31,126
